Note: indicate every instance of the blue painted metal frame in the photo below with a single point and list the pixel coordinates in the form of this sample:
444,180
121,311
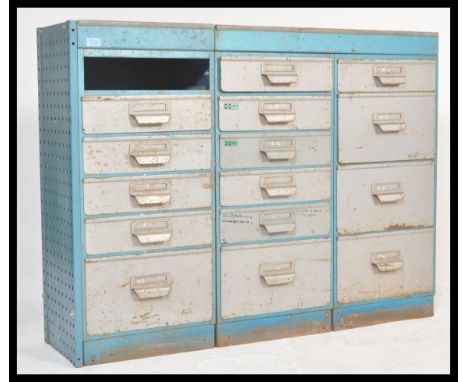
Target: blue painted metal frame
278,41
93,344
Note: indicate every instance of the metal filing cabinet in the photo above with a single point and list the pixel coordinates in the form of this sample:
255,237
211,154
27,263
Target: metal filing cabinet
213,185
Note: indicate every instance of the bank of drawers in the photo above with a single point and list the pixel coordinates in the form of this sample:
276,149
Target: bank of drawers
144,193
385,180
274,184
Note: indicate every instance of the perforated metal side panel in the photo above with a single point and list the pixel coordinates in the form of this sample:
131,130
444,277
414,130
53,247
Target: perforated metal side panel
56,188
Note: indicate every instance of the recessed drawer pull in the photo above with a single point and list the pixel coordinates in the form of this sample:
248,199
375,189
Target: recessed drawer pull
390,75
151,153
280,73
151,286
388,192
277,112
154,192
150,113
389,122
278,221
277,273
387,261
278,185
278,149
152,232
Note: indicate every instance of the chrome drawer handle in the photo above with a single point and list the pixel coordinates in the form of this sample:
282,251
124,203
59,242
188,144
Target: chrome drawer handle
150,113
387,261
278,185
389,122
280,73
277,112
145,154
277,273
278,149
388,192
151,286
278,221
152,232
151,192
390,74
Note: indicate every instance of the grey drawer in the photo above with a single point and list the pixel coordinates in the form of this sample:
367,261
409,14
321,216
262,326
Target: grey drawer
387,265
242,225
385,197
386,76
260,279
260,187
146,114
126,293
135,194
147,232
386,127
146,154
279,149
258,74
246,113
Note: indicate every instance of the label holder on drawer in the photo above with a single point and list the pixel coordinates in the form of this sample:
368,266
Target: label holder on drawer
150,113
280,273
152,231
278,186
151,286
389,122
390,74
388,261
280,73
276,222
151,153
277,112
151,192
388,192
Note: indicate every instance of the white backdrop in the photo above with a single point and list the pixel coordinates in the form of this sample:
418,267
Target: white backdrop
28,210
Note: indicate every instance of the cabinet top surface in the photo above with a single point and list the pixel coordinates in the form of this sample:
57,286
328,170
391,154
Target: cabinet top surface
249,28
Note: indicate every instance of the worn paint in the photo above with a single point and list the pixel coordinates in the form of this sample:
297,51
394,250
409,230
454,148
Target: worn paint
272,327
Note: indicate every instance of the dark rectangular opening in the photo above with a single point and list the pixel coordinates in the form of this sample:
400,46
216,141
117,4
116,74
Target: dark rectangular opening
122,73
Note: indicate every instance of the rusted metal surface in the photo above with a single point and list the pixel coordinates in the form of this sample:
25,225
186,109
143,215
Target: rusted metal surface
270,332
356,320
146,114
386,76
123,234
128,293
372,267
405,199
149,344
244,113
257,74
300,277
386,127
259,187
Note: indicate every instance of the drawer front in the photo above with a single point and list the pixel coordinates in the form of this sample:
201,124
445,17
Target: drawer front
125,234
274,223
141,292
146,154
380,198
274,278
258,74
146,114
264,150
260,187
274,113
386,127
381,266
386,76
134,194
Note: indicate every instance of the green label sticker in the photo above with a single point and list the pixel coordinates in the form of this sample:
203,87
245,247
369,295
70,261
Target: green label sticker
231,106
230,143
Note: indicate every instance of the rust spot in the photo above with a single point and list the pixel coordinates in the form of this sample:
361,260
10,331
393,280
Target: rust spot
401,226
206,185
